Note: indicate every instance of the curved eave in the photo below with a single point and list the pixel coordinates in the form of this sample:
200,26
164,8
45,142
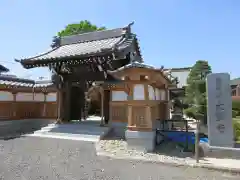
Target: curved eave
3,68
86,58
141,65
121,47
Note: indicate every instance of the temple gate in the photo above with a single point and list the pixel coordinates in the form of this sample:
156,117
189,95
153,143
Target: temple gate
79,60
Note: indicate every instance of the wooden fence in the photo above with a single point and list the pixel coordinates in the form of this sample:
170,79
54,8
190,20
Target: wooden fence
22,105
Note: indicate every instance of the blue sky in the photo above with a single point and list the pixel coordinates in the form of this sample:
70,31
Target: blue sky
173,33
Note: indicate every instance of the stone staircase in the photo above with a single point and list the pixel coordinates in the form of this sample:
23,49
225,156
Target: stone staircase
84,131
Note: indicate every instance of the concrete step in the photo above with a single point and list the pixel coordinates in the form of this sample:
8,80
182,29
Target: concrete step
77,137
85,129
93,132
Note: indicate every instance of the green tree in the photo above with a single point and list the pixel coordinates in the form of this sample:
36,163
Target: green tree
195,92
73,29
78,28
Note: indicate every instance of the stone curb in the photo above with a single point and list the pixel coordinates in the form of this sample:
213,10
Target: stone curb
193,165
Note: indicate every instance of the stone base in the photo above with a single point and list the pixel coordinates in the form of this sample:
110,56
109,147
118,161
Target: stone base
218,152
119,128
141,141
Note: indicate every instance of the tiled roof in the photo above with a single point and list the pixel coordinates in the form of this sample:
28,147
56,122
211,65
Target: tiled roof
235,81
141,65
3,68
84,48
87,44
135,64
179,69
41,84
19,82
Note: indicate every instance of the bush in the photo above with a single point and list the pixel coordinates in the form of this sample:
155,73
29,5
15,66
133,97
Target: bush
236,104
190,113
236,107
234,113
236,129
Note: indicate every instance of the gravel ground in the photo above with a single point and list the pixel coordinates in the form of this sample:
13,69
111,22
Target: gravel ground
32,158
166,152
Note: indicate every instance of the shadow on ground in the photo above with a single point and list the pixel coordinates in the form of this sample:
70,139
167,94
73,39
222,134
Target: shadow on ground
87,127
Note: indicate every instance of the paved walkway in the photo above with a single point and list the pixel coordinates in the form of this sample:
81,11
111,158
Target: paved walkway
53,159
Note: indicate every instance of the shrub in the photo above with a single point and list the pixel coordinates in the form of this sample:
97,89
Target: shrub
234,113
236,107
190,113
236,129
236,104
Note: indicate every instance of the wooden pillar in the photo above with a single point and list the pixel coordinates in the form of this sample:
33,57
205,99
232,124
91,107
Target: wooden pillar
67,101
168,103
106,105
148,120
14,110
60,105
130,120
146,93
102,106
44,113
82,99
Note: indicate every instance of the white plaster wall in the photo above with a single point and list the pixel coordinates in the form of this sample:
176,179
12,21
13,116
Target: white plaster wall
151,93
51,97
157,94
24,97
163,94
119,96
6,96
39,97
160,94
138,92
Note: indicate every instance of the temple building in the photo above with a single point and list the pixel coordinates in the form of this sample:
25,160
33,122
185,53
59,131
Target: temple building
77,61
134,96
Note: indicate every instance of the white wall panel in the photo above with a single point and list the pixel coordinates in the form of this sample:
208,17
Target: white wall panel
138,92
157,94
119,96
6,96
163,95
24,96
39,97
51,97
151,93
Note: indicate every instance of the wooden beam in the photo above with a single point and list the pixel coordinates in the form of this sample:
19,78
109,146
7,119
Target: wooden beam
91,76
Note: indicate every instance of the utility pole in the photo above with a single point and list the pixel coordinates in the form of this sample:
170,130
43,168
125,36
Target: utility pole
197,141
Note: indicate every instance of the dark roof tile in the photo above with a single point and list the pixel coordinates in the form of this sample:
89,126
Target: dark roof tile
87,44
92,36
3,68
20,82
235,81
78,49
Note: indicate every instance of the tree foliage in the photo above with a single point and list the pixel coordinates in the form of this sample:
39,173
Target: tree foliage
78,28
195,92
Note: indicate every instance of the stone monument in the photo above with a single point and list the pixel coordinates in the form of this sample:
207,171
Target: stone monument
219,107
